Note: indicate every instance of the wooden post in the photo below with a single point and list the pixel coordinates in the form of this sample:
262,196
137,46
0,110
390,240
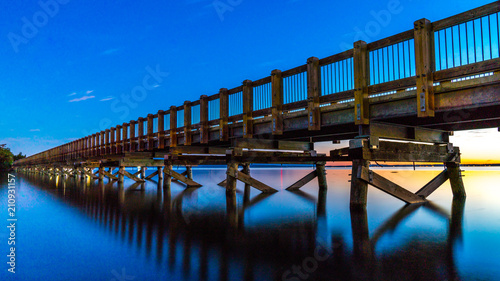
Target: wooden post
141,134
101,173
359,188
247,109
150,132
361,82
224,114
85,144
161,129
92,145
121,174
113,140
313,93
108,148
321,173
173,126
132,136
143,172
125,137
118,141
97,145
277,101
246,191
168,177
424,66
455,175
160,174
103,143
187,123
204,130
189,172
231,181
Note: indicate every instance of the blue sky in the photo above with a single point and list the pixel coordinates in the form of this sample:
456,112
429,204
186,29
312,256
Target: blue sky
71,68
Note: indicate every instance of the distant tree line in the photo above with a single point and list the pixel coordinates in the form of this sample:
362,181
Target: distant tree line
7,157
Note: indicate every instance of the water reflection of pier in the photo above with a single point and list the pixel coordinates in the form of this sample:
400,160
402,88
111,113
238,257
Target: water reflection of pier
163,226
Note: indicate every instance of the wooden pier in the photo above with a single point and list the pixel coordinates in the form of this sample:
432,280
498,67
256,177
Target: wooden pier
397,100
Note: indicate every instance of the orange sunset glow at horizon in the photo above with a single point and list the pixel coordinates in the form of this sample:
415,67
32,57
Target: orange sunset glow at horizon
477,147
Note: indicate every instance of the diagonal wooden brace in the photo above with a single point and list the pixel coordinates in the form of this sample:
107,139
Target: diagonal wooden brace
181,178
434,184
152,175
183,173
89,173
109,175
388,186
132,177
232,172
303,181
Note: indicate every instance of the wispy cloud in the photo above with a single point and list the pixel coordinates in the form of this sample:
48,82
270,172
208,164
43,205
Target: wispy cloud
72,94
82,98
107,98
35,130
89,91
109,52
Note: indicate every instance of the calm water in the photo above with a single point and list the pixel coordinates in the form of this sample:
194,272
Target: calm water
82,230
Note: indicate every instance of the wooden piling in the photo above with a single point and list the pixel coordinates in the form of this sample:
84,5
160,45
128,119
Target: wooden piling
359,188
321,173
455,175
231,180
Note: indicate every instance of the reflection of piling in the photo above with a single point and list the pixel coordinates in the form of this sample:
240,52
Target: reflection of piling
232,209
455,234
362,247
